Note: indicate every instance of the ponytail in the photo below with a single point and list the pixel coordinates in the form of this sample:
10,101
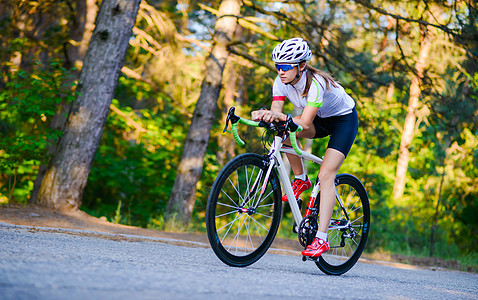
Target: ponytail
310,73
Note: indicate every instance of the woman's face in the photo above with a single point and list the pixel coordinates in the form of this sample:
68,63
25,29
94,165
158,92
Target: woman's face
287,76
288,72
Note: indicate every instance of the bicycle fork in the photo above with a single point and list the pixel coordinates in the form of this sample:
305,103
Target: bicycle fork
257,184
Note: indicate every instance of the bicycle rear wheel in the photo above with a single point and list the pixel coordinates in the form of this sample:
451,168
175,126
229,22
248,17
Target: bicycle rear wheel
349,227
241,218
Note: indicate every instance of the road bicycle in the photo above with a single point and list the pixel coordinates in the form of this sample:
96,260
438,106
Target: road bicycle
244,205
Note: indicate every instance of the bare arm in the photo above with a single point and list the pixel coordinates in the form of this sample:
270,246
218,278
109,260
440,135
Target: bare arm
306,118
275,114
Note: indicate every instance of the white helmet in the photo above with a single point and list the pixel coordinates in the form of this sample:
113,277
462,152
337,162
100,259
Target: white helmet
291,51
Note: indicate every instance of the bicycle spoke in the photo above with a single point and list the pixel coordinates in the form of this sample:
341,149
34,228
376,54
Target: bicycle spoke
355,210
227,205
257,177
356,220
261,199
350,197
265,205
249,234
334,237
227,231
225,214
266,229
236,237
232,223
246,177
257,194
265,216
255,185
227,195
249,196
257,229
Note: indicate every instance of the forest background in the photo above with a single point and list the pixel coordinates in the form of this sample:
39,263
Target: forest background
411,67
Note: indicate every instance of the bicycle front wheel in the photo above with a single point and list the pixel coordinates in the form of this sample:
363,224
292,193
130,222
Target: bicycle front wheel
349,226
243,210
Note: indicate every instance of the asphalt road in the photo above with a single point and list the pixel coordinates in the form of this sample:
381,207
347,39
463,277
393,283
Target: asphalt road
45,265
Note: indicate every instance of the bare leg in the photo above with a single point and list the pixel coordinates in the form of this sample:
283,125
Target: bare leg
294,160
333,159
295,164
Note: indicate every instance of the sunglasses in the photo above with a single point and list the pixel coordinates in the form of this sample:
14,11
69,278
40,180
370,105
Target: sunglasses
284,67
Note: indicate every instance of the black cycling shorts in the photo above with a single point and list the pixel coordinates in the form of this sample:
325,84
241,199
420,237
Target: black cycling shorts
342,130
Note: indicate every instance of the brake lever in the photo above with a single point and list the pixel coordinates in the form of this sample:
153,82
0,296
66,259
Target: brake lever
232,117
290,123
227,122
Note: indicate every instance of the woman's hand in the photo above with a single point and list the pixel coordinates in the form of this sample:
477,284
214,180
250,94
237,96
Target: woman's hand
267,116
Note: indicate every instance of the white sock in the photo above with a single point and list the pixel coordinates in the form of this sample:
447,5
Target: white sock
321,235
302,177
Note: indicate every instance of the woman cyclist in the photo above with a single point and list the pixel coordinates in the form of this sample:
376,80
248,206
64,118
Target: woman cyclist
327,110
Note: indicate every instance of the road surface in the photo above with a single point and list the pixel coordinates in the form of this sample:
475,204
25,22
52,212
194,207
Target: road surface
35,264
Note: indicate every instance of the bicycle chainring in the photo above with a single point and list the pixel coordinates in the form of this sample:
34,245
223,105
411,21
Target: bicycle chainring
307,229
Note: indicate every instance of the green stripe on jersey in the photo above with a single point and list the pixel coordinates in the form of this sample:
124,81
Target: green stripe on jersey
315,103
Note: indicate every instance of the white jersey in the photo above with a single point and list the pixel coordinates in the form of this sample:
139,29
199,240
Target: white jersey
335,102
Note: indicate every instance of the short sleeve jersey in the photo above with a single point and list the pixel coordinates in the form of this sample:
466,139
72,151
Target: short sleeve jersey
333,102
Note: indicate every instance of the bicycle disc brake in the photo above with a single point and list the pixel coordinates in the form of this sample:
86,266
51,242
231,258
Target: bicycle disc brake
307,229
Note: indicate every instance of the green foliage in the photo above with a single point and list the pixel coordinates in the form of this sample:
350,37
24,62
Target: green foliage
27,105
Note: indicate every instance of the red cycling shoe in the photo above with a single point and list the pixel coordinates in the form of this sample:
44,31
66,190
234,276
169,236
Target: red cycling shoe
317,247
298,186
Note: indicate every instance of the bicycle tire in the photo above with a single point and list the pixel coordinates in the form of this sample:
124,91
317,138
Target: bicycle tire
241,224
341,258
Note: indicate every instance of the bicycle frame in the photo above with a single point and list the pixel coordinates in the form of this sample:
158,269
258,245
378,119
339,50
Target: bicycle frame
274,153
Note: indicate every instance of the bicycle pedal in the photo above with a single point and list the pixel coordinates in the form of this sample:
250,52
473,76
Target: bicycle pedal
306,258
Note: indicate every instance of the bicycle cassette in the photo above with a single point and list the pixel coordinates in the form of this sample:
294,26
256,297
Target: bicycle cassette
307,229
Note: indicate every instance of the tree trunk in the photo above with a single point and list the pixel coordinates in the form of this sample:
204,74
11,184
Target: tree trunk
65,179
410,120
81,30
181,201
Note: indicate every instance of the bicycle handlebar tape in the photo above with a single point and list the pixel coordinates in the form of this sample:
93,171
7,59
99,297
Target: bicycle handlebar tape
293,128
249,122
293,142
236,135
